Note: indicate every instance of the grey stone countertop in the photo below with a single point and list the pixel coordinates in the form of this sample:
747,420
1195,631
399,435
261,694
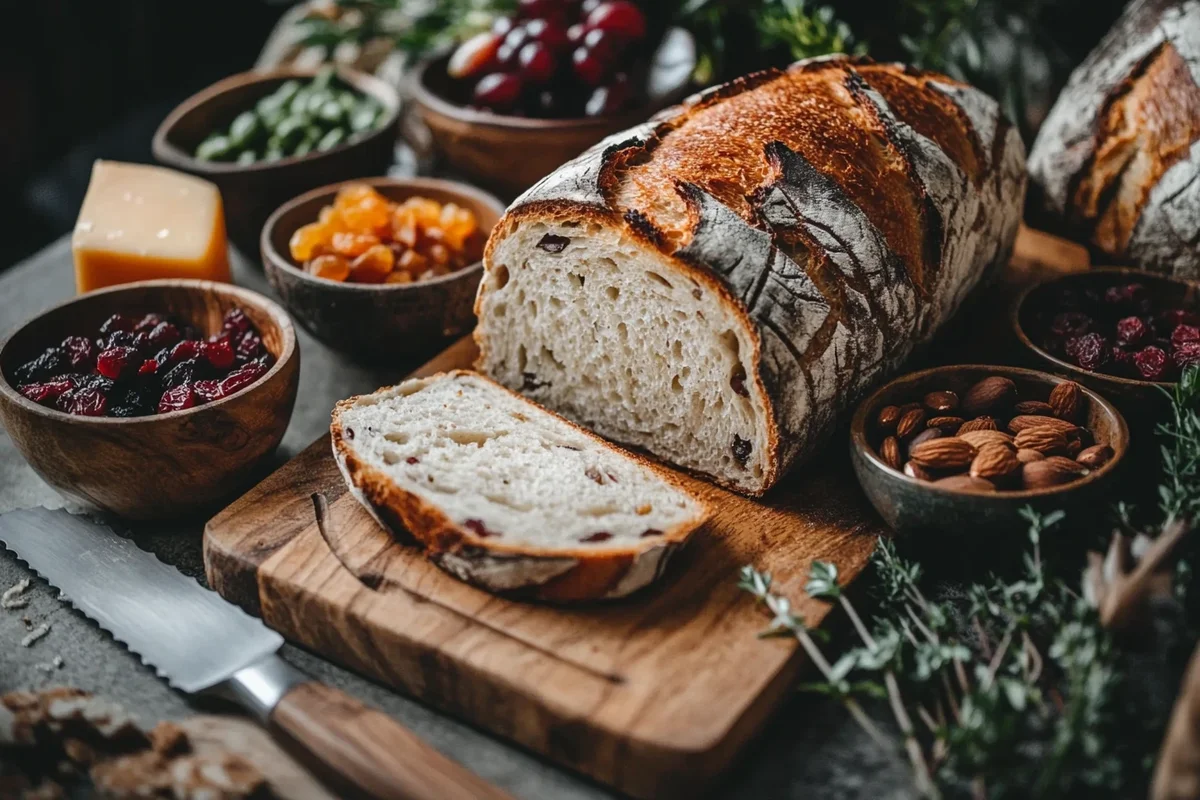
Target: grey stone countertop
811,749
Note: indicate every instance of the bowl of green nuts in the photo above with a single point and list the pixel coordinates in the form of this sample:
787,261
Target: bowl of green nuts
265,137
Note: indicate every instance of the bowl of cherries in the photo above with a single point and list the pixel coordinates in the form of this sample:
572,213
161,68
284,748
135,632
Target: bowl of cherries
150,399
515,101
1123,332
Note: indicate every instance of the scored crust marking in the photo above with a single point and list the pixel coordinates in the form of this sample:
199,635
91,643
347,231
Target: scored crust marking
1170,238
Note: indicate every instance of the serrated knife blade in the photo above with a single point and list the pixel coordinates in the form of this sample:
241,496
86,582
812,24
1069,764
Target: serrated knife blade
193,637
199,641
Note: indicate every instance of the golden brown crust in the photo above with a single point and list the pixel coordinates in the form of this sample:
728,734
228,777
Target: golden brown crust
595,573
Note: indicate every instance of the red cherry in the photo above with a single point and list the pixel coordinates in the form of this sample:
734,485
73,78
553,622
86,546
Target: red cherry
575,33
609,99
517,37
502,25
589,66
499,91
537,63
540,9
620,17
588,6
474,56
549,33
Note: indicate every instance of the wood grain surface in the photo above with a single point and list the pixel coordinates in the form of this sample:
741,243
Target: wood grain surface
654,695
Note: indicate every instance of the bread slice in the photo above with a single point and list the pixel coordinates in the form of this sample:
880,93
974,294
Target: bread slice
507,495
717,284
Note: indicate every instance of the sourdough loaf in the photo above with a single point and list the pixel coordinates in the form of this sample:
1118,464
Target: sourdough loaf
1117,161
507,495
716,284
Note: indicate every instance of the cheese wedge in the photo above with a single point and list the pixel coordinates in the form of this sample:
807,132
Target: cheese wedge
140,222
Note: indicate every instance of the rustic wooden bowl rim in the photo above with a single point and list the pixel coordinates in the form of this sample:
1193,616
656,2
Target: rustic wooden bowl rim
168,153
1014,316
284,262
858,431
244,296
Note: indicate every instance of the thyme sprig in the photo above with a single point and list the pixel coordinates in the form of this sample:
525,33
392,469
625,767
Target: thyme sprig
1015,686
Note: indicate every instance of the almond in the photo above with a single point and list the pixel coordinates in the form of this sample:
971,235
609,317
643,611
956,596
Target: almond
889,451
941,402
984,423
947,453
965,483
925,436
948,424
911,423
1052,471
1095,456
887,419
920,473
978,439
994,462
1064,400
1024,421
1027,455
1043,439
1034,407
988,395
1074,447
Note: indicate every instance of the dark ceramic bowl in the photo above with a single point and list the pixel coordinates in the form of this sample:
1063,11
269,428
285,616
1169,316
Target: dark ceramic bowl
378,323
911,506
165,465
251,192
1135,397
509,153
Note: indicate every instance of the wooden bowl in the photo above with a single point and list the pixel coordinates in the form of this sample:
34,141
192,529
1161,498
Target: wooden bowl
251,192
911,506
164,465
377,323
508,154
1137,398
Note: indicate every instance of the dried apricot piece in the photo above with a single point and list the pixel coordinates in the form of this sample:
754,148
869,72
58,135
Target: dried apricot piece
411,261
399,276
308,241
373,266
330,267
352,245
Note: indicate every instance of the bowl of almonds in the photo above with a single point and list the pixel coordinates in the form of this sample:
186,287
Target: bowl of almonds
959,447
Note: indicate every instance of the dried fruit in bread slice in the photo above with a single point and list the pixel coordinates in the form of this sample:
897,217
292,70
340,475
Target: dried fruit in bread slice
507,495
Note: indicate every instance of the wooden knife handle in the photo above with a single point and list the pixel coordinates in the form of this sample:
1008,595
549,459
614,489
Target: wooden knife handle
372,751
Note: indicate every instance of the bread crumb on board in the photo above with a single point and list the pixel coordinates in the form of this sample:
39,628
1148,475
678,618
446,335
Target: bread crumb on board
34,635
12,598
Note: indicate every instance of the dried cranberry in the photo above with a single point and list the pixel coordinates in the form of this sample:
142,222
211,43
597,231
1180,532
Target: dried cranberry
115,361
477,527
1089,351
181,373
1122,361
241,378
741,449
117,322
651,532
250,346
738,381
1070,323
148,323
119,339
46,393
1172,318
1184,333
1132,330
552,243
51,363
185,350
598,536
1186,354
95,382
1152,363
80,352
164,334
236,322
148,367
207,391
88,403
412,460
1130,296
219,353
177,399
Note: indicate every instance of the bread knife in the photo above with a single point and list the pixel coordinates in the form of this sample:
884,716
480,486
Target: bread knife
201,643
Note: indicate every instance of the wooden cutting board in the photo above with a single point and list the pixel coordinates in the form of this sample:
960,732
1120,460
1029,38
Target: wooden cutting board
654,695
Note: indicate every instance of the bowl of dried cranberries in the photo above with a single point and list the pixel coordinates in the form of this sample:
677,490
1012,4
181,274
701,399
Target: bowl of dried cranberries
541,85
384,270
1124,332
151,399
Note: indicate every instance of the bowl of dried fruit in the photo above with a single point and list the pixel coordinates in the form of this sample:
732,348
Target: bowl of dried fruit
151,399
964,448
385,269
1123,332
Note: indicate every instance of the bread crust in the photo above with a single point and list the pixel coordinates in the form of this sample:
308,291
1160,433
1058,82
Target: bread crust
1126,124
840,239
562,575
